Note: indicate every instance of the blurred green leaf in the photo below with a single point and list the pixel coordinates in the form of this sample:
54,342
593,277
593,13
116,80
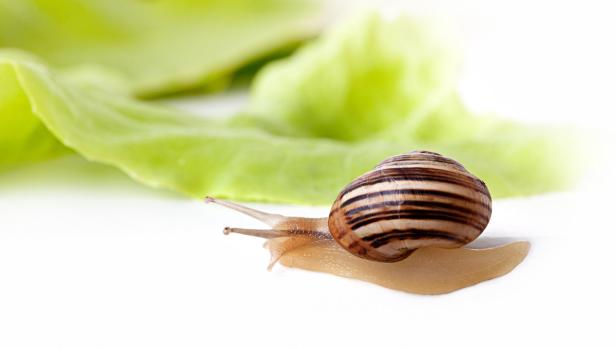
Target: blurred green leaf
166,148
358,81
372,79
156,47
368,90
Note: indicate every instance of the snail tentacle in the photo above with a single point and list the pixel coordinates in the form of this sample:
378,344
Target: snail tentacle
281,226
274,233
270,219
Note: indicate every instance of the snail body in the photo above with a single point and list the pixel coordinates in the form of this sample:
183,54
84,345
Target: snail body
408,201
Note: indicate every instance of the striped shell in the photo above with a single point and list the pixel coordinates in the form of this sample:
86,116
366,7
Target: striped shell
408,201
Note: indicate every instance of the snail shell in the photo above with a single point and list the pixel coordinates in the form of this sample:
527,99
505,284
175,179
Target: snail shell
413,200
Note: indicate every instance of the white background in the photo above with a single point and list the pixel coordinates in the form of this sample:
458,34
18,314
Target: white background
89,258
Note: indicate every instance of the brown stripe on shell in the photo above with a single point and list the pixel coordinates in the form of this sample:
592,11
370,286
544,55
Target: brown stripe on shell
415,215
436,205
454,194
416,192
417,174
378,240
420,157
445,172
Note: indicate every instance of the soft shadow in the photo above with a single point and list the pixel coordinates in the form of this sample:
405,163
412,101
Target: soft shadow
73,171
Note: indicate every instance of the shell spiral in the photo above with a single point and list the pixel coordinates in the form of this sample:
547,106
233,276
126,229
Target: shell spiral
408,201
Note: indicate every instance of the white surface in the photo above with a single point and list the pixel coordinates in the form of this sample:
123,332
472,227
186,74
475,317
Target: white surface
102,261
109,263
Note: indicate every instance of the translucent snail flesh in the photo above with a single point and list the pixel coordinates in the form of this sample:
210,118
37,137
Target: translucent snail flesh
417,203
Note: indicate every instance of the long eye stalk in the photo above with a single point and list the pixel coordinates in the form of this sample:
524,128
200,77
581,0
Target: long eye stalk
282,226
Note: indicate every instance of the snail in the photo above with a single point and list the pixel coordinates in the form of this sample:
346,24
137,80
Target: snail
408,201
418,203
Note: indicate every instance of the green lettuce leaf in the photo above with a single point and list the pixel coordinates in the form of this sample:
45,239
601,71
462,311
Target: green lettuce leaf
307,133
393,80
155,47
364,78
167,148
